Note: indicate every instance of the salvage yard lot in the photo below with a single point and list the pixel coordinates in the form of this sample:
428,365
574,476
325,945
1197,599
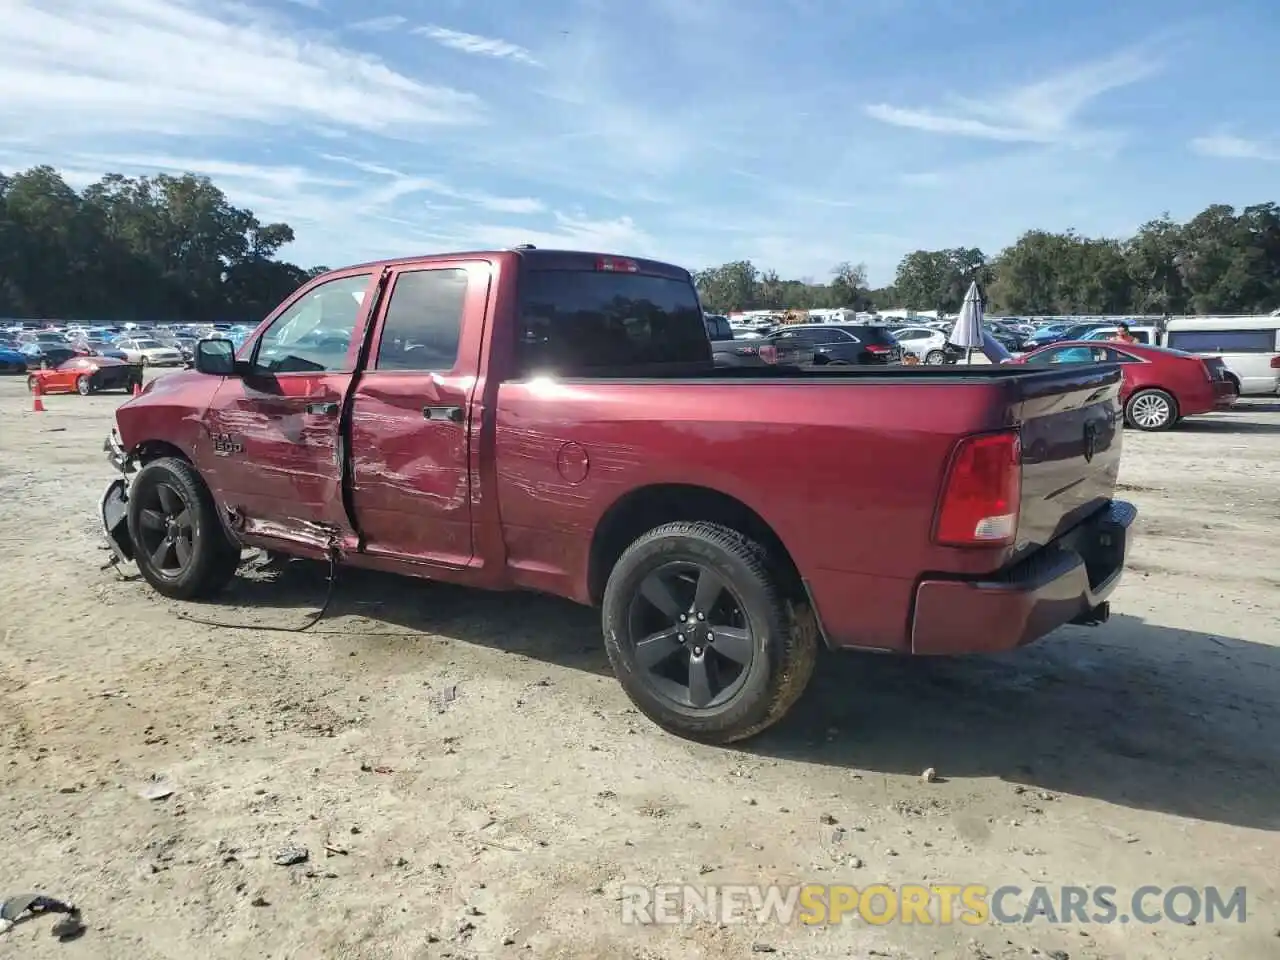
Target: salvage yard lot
469,781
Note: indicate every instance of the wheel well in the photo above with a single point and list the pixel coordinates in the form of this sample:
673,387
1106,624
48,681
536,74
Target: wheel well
642,510
150,450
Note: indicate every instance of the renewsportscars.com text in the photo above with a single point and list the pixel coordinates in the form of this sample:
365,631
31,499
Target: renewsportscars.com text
941,904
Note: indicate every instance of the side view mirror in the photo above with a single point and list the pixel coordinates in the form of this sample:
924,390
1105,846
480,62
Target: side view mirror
216,357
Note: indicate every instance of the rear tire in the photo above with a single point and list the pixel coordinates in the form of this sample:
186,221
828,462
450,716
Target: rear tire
934,358
84,386
208,561
780,641
1151,410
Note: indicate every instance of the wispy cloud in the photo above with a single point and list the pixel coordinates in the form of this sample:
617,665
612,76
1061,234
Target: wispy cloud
1045,111
74,67
380,24
573,232
477,45
395,184
1227,147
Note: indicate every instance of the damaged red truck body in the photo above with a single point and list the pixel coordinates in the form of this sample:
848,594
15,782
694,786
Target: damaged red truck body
553,421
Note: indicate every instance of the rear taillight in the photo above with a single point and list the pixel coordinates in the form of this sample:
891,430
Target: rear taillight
878,348
979,505
768,353
1275,362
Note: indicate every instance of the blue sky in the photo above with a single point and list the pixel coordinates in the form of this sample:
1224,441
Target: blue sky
796,133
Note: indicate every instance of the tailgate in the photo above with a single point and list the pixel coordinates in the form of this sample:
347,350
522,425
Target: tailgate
1071,429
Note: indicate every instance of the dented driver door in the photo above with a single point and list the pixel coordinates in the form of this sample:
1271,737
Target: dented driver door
274,453
413,419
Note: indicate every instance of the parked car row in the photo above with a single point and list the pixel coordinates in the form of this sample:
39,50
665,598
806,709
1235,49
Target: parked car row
806,345
157,346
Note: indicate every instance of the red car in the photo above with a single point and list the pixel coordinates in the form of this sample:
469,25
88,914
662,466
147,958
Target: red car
1160,386
86,375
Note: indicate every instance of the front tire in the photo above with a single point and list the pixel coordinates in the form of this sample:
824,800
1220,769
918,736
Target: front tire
180,545
699,636
1151,410
83,386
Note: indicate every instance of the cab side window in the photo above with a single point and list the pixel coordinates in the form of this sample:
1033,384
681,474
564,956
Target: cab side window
314,333
424,321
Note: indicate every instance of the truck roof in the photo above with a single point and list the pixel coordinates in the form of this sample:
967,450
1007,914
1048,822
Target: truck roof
541,260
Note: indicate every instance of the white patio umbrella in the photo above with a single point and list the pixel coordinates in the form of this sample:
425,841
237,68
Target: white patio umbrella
967,331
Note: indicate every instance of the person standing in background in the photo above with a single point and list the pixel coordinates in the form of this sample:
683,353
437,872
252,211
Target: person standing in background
1122,334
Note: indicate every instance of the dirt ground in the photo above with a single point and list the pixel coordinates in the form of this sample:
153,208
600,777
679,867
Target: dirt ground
469,781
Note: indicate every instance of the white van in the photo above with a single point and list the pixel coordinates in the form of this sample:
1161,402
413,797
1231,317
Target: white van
1249,348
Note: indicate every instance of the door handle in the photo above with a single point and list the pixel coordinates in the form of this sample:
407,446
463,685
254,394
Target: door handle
451,414
323,409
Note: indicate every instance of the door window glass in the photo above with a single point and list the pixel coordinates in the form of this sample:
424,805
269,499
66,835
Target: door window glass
424,321
314,333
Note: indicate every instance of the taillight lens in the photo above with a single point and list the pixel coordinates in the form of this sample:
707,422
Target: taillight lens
979,504
768,353
878,348
1275,362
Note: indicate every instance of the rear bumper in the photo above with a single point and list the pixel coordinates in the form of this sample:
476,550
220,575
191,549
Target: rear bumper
1064,582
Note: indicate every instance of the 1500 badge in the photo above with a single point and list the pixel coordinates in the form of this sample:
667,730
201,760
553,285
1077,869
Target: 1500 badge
225,444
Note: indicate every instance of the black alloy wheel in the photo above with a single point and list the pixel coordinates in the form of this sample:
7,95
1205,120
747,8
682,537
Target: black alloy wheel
180,544
166,530
693,640
700,636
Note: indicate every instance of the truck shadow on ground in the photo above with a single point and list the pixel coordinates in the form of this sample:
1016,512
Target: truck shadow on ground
1135,714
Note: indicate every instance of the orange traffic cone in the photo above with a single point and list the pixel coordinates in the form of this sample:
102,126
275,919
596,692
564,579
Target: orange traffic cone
37,397
137,389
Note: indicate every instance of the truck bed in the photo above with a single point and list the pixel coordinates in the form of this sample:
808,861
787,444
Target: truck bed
845,466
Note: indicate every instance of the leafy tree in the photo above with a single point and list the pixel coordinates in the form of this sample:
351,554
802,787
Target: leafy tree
136,248
175,248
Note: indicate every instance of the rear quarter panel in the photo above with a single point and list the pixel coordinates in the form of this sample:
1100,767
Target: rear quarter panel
847,475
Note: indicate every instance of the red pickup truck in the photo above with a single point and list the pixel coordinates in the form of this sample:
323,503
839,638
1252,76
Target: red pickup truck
554,421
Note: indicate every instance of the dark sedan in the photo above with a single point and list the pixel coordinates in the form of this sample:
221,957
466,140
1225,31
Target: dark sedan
839,344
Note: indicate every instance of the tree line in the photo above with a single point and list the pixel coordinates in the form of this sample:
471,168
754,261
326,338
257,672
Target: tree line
175,248
137,248
1219,262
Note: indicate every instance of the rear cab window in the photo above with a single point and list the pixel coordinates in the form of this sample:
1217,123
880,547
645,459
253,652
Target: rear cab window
581,316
